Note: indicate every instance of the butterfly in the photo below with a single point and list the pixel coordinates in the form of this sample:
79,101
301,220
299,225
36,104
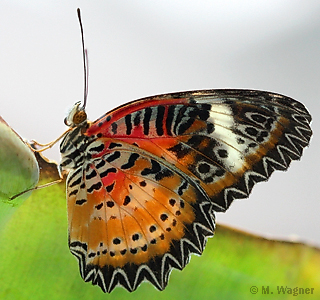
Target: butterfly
145,180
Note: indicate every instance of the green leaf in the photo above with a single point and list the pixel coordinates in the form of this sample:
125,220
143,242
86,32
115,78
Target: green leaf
19,171
36,262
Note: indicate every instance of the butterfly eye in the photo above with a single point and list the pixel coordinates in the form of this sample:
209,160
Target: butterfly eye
79,117
76,116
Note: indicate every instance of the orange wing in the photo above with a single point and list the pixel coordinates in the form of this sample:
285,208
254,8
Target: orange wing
146,178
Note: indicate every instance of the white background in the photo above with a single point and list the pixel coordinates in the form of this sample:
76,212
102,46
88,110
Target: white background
142,48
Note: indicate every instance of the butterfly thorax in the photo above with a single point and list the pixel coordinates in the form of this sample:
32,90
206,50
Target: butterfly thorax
75,144
73,149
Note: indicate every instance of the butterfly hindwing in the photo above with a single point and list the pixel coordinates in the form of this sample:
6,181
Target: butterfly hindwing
138,209
146,178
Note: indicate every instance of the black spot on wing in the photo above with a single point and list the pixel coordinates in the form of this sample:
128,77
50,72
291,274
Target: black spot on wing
182,187
114,127
137,117
97,149
179,150
75,182
163,173
99,206
110,158
110,187
128,124
91,175
110,204
155,168
203,113
114,145
159,120
169,119
106,172
181,113
183,127
84,246
75,173
74,192
82,201
95,186
127,200
100,164
146,120
131,161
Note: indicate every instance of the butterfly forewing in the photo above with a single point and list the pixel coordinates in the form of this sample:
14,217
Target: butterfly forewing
145,179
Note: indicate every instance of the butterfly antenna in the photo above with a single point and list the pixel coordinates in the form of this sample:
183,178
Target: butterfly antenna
87,75
85,62
49,145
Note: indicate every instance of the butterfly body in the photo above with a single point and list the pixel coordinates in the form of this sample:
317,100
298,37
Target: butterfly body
145,179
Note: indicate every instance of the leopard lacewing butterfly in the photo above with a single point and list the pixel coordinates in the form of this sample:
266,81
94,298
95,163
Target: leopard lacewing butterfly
145,180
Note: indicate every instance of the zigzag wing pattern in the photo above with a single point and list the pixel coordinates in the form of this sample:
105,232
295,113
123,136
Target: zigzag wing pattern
144,217
145,179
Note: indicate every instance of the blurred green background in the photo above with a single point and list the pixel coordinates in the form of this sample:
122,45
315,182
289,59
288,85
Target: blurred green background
35,262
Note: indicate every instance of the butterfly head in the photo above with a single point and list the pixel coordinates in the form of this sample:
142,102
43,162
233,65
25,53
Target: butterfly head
76,116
